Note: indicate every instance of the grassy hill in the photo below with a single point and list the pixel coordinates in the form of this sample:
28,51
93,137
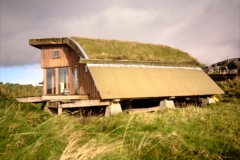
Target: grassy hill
118,50
27,132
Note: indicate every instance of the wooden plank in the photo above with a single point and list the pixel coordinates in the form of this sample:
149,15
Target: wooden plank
64,97
85,103
31,99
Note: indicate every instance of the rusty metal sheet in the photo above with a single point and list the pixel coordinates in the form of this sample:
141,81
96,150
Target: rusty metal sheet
140,82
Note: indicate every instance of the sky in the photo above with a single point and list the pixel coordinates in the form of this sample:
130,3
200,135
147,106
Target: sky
209,30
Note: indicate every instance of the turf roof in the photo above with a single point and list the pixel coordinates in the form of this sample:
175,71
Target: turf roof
125,50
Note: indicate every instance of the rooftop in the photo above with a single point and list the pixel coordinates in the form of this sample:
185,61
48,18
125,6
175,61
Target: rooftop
115,50
125,50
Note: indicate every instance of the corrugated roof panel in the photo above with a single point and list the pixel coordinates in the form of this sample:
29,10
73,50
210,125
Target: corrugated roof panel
133,82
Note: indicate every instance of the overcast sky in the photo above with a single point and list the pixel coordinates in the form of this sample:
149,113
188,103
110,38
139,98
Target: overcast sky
209,30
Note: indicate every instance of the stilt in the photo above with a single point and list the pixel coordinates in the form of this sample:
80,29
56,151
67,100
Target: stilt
166,104
113,108
206,101
59,109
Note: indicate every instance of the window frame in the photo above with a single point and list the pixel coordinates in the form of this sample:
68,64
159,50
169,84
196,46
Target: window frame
56,56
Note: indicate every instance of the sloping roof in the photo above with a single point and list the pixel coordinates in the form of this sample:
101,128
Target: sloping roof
126,82
59,41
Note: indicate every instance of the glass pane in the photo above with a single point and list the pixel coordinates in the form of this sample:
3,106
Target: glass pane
51,86
56,54
75,81
63,80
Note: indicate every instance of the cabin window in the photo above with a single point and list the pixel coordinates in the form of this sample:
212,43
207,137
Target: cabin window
51,86
63,80
56,54
75,80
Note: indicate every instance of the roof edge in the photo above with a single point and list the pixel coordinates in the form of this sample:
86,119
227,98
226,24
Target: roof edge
142,66
58,41
102,62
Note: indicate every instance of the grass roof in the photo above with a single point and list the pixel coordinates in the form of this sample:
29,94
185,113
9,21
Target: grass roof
125,50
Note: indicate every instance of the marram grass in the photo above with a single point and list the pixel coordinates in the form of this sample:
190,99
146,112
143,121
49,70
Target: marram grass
212,132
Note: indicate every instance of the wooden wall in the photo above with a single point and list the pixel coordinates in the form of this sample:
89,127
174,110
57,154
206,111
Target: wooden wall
68,58
86,83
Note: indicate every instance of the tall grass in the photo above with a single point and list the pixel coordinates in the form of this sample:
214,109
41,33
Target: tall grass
27,132
18,90
113,49
212,132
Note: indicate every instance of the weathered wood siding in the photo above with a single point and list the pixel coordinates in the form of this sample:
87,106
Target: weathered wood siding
86,83
68,58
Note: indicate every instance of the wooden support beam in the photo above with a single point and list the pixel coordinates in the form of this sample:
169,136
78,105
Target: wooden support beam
85,103
59,108
65,97
31,99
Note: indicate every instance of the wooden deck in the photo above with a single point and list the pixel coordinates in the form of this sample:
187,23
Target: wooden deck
65,97
31,99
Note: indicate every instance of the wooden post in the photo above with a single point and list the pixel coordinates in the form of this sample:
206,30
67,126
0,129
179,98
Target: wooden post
71,81
57,80
78,70
67,86
44,81
52,83
59,109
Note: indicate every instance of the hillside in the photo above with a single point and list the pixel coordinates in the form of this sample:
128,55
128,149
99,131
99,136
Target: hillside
119,50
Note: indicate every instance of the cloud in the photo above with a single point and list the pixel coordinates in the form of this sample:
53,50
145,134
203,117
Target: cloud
208,30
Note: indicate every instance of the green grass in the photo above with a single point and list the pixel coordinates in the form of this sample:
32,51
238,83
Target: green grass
118,50
27,132
18,90
212,132
231,89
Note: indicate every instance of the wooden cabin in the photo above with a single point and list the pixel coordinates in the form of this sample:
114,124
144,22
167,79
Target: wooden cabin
72,79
